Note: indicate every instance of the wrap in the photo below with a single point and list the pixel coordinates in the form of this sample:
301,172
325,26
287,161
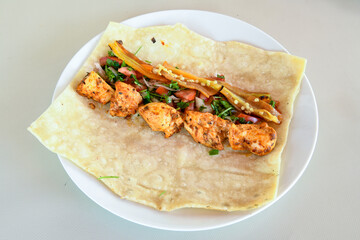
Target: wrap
177,172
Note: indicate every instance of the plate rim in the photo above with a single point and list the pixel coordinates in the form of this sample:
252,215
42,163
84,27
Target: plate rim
59,88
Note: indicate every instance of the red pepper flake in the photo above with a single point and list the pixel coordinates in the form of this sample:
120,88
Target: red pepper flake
162,42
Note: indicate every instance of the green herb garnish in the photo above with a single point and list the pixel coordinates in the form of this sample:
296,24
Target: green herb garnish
138,50
111,54
213,152
112,63
272,103
146,96
225,111
167,99
176,67
233,118
221,107
109,73
108,177
162,193
135,80
242,120
149,62
226,104
174,85
123,64
112,76
202,108
220,76
183,105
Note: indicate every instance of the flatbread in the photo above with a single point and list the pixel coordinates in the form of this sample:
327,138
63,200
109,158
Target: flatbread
177,172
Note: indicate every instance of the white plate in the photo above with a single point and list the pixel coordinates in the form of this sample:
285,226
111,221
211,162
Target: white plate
303,129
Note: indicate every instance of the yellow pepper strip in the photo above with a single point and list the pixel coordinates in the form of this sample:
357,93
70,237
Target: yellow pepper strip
202,81
207,91
134,62
249,105
242,100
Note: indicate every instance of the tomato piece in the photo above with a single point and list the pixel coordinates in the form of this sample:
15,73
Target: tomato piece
186,95
104,59
126,71
249,118
191,107
162,91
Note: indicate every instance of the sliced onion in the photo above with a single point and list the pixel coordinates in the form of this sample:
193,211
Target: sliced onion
100,71
199,103
146,82
149,84
113,70
174,99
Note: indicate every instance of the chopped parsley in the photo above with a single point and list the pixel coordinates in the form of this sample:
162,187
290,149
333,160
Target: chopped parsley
183,105
149,62
234,119
222,108
176,67
226,104
112,63
213,152
202,108
108,177
112,76
167,99
138,50
174,85
146,96
109,73
220,76
162,193
136,81
225,111
243,121
111,54
272,103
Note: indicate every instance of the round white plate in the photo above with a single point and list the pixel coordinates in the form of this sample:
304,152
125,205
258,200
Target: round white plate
303,129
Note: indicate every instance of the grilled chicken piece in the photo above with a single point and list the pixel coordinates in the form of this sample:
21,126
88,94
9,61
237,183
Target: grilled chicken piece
125,100
207,129
94,87
258,139
161,117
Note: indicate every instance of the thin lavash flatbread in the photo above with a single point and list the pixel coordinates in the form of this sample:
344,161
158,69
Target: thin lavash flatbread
177,172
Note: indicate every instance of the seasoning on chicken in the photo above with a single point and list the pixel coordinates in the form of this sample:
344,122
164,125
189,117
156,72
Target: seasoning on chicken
94,87
207,129
258,139
125,100
162,117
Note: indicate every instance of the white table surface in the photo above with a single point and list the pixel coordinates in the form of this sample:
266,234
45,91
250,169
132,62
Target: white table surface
39,201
